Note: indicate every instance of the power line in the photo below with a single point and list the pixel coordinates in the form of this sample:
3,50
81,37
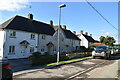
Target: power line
102,15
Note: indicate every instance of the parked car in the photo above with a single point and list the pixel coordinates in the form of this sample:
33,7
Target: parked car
5,70
117,49
102,51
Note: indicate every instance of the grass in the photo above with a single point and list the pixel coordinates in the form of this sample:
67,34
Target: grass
68,61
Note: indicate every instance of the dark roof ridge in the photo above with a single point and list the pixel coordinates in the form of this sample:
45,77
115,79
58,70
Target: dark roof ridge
33,20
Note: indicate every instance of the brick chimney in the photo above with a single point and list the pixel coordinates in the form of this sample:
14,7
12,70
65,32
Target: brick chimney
64,26
86,33
30,16
81,31
51,22
74,32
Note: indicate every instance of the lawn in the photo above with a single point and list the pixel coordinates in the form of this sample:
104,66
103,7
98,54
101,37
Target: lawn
68,61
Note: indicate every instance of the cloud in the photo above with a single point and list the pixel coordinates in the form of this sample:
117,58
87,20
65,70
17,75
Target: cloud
106,33
13,5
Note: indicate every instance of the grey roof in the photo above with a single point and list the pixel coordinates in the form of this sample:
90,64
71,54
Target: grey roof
89,38
28,25
70,35
67,33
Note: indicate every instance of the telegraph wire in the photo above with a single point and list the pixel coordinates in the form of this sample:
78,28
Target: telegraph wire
101,15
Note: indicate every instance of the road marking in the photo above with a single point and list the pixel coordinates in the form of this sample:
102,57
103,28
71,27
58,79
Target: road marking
73,76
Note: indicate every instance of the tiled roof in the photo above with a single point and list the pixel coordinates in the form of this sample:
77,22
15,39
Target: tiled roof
28,25
68,33
89,38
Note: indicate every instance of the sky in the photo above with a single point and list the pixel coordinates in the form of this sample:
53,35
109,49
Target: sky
76,16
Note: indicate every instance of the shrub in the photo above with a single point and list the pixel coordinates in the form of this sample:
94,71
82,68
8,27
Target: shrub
83,49
90,48
36,55
119,50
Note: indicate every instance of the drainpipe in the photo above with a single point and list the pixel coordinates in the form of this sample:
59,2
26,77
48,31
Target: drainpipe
4,42
38,44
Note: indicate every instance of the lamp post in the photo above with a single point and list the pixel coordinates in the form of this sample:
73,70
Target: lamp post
59,19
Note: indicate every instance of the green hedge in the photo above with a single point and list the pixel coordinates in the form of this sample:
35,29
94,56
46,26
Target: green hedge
38,59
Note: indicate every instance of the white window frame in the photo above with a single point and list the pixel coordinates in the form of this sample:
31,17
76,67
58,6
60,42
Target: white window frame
32,49
13,34
43,36
12,49
32,36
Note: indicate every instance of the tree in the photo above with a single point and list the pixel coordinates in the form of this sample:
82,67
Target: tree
107,40
102,39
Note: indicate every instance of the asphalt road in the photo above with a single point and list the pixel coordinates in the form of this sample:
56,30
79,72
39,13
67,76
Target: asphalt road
92,68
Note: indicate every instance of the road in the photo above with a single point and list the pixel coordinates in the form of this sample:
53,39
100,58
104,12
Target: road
88,69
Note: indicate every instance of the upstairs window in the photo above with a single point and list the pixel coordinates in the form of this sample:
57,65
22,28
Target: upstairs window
11,49
13,34
32,36
43,36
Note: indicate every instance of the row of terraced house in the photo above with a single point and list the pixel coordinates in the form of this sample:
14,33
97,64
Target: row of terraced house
20,37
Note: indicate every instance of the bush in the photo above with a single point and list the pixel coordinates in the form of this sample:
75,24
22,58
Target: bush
90,48
36,55
83,49
119,50
38,59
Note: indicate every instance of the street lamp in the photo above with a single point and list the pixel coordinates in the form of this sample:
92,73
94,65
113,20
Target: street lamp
59,19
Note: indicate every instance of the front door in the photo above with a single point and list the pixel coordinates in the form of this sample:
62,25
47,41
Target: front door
23,50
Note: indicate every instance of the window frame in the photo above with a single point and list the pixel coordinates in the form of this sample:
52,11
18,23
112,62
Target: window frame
12,34
12,49
32,49
43,36
32,36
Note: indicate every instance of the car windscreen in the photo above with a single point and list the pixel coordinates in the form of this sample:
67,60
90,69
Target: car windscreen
101,48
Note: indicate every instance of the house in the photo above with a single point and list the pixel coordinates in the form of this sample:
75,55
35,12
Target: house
69,42
21,36
86,40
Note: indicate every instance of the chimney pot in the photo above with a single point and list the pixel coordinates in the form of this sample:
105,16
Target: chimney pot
74,32
86,33
51,22
91,35
64,26
81,31
30,16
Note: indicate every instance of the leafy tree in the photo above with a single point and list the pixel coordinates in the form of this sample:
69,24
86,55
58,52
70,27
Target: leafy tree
107,40
102,39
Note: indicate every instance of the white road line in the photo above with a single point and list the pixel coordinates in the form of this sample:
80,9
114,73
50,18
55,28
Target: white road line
73,76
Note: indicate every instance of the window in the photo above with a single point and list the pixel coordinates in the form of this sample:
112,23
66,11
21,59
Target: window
11,49
32,36
31,49
42,50
13,34
43,36
62,39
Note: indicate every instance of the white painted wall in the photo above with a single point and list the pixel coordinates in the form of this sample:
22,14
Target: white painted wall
20,36
84,41
2,35
70,42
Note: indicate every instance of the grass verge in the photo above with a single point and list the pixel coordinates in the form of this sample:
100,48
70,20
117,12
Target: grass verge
68,61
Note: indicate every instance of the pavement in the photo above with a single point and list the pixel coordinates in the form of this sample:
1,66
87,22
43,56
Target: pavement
23,66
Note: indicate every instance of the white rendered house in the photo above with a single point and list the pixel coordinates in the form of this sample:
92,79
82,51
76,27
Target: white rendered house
86,40
21,36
